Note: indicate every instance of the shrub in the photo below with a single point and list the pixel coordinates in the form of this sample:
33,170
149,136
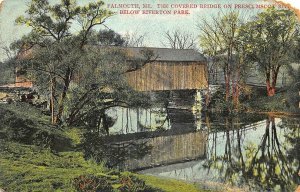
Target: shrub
91,183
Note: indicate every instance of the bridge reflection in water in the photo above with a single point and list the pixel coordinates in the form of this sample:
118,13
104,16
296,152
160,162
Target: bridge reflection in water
260,156
142,138
252,150
220,145
164,149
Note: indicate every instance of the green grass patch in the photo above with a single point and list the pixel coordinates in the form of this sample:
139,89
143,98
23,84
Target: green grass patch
37,156
170,185
31,168
276,103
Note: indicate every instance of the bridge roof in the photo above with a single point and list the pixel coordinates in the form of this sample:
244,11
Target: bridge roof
167,54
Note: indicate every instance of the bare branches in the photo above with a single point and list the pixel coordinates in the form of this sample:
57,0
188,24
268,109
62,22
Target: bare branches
10,54
219,40
134,39
178,39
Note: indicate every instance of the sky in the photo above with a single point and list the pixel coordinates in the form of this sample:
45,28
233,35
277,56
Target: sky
152,25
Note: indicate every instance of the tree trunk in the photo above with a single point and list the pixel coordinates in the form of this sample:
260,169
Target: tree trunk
227,85
67,81
236,95
271,86
52,96
270,89
238,82
235,89
207,95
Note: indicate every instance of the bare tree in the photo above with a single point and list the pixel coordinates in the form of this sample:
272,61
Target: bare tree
9,52
135,39
178,39
219,41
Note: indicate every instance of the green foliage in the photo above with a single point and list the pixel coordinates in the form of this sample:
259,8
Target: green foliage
106,38
263,103
99,86
93,14
79,79
29,166
285,101
220,41
7,72
54,21
292,96
82,80
217,101
33,167
219,33
270,40
270,37
219,104
21,123
26,112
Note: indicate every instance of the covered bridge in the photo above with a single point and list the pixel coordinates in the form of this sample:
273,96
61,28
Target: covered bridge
172,69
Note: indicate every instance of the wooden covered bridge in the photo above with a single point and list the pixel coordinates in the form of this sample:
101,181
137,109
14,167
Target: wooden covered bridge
172,69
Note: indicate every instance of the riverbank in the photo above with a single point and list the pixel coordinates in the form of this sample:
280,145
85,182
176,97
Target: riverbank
283,103
36,156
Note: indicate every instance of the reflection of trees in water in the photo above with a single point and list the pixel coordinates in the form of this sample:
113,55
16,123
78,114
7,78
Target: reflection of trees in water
271,164
136,144
130,120
113,154
293,140
269,167
100,122
170,110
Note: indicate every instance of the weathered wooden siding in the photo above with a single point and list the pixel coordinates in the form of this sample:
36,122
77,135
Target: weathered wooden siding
158,76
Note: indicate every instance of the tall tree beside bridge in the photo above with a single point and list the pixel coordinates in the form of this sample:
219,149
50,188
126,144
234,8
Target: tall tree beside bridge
219,37
80,79
51,24
270,39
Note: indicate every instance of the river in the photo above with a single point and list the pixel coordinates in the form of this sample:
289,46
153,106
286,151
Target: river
250,151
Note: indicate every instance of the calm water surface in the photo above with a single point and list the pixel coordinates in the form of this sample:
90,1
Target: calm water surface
257,152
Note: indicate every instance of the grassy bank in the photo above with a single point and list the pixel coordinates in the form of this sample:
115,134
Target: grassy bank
284,102
169,185
36,156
